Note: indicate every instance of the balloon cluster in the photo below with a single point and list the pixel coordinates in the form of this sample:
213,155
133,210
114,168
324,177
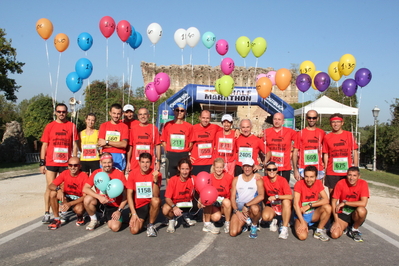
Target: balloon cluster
160,85
191,36
265,82
203,184
112,188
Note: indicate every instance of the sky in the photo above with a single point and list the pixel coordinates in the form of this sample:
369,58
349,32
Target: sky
295,31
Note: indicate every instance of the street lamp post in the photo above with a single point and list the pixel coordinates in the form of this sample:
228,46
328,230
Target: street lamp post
375,111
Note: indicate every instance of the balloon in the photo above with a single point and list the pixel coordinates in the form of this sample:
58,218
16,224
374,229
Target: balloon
243,46
208,39
114,188
154,32
315,73
322,81
161,83
180,38
303,82
226,84
135,40
349,87
264,87
227,65
222,47
202,180
259,46
61,42
363,77
272,76
151,93
347,64
260,76
101,180
44,27
208,195
333,71
85,41
107,26
83,68
307,67
217,86
124,30
193,36
74,82
283,78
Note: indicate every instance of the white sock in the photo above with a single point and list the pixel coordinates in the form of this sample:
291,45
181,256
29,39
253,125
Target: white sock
354,229
207,223
93,217
227,222
319,230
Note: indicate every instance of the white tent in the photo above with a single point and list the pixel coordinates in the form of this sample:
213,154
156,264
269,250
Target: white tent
326,106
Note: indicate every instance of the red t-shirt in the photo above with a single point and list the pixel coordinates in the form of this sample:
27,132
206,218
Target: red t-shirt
202,139
60,138
344,191
73,185
225,146
130,124
249,147
278,187
114,132
280,144
308,194
142,197
177,136
310,146
179,191
143,139
115,174
339,148
223,185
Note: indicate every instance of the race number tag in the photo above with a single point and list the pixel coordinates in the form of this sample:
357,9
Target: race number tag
187,204
205,150
307,203
72,197
220,199
340,165
276,206
177,141
311,157
244,153
89,151
60,155
348,210
144,190
225,145
278,158
141,149
113,136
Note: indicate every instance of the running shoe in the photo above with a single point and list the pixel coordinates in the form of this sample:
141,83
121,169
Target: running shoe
92,225
322,235
273,225
211,228
254,232
171,226
190,222
80,221
55,224
63,217
46,218
356,235
226,227
151,231
283,233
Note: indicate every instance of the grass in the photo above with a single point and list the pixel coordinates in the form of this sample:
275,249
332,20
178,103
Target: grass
380,176
8,167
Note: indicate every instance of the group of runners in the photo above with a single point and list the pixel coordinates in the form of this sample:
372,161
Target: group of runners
129,149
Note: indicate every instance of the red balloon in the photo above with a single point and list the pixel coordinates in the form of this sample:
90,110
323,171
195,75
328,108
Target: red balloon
124,30
208,195
107,26
202,180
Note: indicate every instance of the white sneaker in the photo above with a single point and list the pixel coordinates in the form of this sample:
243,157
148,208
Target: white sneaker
171,226
273,225
92,225
211,228
226,227
283,233
151,231
190,222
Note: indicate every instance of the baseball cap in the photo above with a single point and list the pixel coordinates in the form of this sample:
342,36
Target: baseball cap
227,117
248,161
128,107
179,105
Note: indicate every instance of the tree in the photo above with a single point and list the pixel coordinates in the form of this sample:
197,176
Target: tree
8,65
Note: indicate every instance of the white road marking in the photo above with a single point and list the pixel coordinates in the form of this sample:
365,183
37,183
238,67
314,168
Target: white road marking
20,232
381,234
77,261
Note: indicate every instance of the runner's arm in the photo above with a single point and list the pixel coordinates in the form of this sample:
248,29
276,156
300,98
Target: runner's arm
297,208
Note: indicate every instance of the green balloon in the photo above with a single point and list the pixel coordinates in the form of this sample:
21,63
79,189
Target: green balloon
259,46
243,46
226,84
217,86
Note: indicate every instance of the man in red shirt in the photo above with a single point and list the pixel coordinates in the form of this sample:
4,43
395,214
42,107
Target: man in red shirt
349,203
339,152
67,189
308,147
128,116
224,144
59,143
113,137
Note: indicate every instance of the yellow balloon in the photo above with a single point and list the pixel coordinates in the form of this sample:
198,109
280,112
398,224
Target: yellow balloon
44,27
259,46
217,86
347,64
243,46
334,72
61,42
226,84
307,67
314,86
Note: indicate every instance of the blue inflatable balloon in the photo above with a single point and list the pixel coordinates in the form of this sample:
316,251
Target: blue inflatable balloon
208,39
135,40
74,82
85,41
114,188
101,181
84,68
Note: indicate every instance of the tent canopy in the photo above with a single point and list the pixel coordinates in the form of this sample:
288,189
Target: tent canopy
327,106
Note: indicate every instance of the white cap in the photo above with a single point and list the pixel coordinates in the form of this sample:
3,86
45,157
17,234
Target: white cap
228,118
248,161
128,107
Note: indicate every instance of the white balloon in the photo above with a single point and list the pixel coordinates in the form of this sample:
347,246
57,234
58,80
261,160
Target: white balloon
180,38
193,36
154,32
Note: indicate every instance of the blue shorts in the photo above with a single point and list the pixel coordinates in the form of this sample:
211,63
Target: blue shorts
307,217
119,161
320,175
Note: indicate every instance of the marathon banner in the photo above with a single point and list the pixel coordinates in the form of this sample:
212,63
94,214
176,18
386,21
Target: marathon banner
238,96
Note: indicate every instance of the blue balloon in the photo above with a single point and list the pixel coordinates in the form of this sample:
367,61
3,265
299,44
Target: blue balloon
85,41
84,68
135,40
208,39
74,82
101,181
114,188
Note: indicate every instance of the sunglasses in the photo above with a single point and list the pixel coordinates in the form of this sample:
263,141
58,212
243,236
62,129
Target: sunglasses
61,112
180,110
312,117
73,165
271,169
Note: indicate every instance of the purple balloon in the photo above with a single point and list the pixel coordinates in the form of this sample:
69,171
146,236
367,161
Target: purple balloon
303,82
322,81
151,93
349,87
363,77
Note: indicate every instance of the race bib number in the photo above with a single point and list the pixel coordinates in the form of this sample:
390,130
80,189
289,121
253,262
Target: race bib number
220,199
307,203
278,158
177,141
244,153
205,150
72,197
310,157
89,151
143,190
225,145
113,136
276,206
141,149
340,165
60,155
348,210
187,204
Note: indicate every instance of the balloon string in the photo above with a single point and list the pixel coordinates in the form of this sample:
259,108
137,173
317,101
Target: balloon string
130,83
58,75
48,64
182,57
106,82
122,89
88,90
123,50
209,57
303,113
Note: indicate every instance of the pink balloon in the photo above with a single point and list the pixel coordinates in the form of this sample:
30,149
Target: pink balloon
107,26
151,93
124,30
272,76
222,47
208,195
227,65
202,180
261,76
161,82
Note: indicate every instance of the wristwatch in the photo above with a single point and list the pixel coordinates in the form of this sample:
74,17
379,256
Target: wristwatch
235,211
120,210
344,202
310,205
246,206
276,196
174,205
106,142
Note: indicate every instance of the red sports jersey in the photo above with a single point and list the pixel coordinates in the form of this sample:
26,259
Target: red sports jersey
73,185
225,146
249,147
310,146
179,191
223,185
344,191
143,139
177,136
130,124
280,144
114,132
202,139
279,187
308,194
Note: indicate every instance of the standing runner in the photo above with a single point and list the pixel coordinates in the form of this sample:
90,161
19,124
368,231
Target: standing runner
90,159
224,144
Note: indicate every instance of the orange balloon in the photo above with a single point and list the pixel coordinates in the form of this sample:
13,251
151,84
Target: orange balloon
283,78
61,42
44,27
264,87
